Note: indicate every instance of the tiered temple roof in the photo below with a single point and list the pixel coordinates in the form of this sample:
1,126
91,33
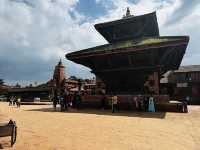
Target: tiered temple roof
135,51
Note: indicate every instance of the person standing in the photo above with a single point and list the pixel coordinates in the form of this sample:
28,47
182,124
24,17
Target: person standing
141,102
135,99
55,100
18,101
61,103
74,102
184,106
11,101
151,104
114,103
146,103
78,100
188,100
14,100
66,101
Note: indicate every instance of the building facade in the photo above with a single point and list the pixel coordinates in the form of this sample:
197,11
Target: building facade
183,82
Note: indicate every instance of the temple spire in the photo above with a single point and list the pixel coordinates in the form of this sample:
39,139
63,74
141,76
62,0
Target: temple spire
128,13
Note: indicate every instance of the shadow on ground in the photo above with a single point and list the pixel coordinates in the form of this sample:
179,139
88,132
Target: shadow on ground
159,115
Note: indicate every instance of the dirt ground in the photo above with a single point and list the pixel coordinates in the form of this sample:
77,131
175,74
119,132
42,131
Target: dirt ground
41,128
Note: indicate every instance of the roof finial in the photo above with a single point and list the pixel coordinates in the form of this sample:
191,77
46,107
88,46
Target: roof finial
128,13
60,62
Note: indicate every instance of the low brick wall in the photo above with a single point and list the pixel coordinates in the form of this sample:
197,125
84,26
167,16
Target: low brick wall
168,107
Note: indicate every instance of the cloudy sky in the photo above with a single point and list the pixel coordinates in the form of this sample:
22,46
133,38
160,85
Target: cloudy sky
35,34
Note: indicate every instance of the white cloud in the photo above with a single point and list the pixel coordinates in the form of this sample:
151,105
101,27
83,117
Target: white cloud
41,31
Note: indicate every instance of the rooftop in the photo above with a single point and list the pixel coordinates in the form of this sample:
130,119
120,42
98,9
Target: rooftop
129,27
128,44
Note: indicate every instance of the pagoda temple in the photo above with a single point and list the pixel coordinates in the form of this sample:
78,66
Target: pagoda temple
135,57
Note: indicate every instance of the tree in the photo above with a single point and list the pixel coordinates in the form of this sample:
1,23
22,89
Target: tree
1,82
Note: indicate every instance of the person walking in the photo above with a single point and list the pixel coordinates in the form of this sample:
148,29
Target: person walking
114,103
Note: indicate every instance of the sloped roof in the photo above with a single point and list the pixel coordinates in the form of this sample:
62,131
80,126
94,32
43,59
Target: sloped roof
128,44
131,27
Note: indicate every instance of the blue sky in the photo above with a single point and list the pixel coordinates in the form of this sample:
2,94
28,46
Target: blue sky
35,34
91,10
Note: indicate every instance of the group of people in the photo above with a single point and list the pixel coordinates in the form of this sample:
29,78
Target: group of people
139,103
67,100
144,103
15,100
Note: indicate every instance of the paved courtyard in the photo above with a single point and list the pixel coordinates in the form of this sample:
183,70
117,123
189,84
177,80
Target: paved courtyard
40,128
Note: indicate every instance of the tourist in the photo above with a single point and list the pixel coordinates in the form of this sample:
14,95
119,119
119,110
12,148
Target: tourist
140,103
184,106
146,103
151,104
66,100
11,99
55,100
135,99
18,101
114,103
74,100
61,103
188,99
70,100
78,100
14,100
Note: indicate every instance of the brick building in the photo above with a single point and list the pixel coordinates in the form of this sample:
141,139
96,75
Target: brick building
183,82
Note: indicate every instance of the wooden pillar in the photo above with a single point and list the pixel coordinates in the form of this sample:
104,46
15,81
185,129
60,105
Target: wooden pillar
156,77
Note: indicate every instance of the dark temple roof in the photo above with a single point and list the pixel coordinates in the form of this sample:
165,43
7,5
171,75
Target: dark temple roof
134,44
127,28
